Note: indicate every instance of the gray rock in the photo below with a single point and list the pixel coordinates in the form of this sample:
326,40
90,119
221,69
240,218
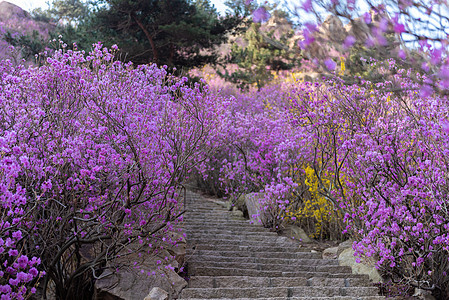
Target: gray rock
237,212
297,233
344,245
130,283
330,253
217,201
228,205
347,258
359,30
332,29
423,294
157,294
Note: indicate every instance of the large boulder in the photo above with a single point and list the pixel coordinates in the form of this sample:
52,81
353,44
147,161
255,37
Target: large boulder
139,275
345,256
366,266
296,233
132,283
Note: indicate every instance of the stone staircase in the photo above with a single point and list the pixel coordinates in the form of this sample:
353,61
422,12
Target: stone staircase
229,258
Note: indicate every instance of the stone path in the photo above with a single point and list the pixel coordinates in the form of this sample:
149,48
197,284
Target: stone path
228,258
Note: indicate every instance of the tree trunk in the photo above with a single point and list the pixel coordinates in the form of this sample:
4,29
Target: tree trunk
149,37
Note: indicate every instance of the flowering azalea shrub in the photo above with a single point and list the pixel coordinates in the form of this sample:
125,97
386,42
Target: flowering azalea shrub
367,160
94,153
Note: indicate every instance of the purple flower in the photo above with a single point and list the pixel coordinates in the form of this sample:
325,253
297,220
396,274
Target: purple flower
311,26
445,126
397,27
22,261
435,57
24,277
367,18
47,185
349,41
308,39
17,234
444,76
260,15
383,25
381,40
307,5
14,281
401,54
5,289
330,64
426,91
33,271
370,42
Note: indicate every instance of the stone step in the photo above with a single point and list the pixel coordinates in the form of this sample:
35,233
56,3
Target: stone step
223,224
300,254
219,271
303,298
206,210
246,281
193,215
271,267
215,212
214,232
265,260
234,229
217,218
243,240
205,206
248,237
286,292
217,221
243,247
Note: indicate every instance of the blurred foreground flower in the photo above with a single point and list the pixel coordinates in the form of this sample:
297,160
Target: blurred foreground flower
261,15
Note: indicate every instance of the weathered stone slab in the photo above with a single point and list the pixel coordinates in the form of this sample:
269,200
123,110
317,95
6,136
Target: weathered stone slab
255,211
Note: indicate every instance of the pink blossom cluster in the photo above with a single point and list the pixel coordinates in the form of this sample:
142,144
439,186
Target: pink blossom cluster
93,157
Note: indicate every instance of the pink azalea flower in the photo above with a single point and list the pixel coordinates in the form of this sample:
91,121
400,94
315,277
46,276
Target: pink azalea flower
330,64
260,15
